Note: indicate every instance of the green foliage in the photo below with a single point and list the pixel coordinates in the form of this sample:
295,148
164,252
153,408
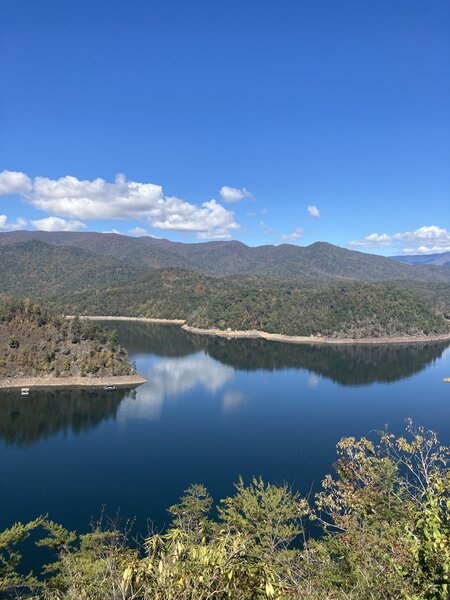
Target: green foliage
385,520
269,516
13,342
10,557
190,515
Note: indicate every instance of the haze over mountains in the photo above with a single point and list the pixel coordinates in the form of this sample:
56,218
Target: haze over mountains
121,257
442,259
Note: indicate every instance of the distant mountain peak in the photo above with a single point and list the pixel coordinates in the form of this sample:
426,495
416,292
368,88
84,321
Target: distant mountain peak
320,261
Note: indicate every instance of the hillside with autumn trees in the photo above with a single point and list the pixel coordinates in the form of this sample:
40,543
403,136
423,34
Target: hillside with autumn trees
37,342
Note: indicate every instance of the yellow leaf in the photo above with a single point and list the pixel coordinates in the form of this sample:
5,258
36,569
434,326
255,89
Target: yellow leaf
127,575
270,592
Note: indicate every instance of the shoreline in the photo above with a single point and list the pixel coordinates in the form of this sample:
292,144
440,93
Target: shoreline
274,337
87,383
142,319
299,339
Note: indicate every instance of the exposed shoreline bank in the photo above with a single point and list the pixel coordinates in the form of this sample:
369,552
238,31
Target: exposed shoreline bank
274,337
142,319
298,339
87,383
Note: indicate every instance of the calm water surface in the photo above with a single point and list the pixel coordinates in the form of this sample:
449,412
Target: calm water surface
213,409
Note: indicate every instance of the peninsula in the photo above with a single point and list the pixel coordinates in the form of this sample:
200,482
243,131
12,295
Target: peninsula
41,349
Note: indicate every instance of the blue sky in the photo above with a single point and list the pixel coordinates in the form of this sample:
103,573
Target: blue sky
227,120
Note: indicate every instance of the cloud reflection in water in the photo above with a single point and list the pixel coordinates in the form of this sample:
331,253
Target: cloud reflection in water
172,377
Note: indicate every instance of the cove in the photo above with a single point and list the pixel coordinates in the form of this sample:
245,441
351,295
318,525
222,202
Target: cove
212,410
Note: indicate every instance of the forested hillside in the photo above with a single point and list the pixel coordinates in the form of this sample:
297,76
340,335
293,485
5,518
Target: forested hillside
36,342
317,262
37,269
353,310
318,290
442,259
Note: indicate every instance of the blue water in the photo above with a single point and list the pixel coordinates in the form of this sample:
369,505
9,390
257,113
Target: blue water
212,410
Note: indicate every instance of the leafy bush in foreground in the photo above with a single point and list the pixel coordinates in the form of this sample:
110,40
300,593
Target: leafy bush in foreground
385,528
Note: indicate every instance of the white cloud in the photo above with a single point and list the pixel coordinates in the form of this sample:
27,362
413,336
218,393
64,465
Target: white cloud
232,194
138,231
217,234
292,237
113,230
69,197
57,224
210,221
13,182
5,226
313,211
374,240
428,239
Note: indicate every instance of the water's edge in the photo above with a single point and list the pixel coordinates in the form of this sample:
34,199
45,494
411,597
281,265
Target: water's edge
274,337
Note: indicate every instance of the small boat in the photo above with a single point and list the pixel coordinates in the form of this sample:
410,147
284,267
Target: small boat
110,388
25,391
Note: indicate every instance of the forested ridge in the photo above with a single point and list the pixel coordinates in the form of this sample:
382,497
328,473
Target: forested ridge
34,341
355,310
381,525
318,262
320,290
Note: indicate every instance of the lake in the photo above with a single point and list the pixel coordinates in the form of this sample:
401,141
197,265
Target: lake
213,409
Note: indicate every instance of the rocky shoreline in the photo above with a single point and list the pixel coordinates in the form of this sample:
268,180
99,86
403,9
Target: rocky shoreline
141,319
275,337
117,381
298,339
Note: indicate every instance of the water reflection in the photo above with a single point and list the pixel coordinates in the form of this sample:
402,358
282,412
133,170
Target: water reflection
232,400
212,410
24,421
161,340
176,363
174,377
346,365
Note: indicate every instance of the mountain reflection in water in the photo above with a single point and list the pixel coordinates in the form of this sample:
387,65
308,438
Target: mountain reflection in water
352,365
175,362
24,421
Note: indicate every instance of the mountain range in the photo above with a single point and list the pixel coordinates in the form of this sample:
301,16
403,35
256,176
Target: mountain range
441,260
319,289
318,262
